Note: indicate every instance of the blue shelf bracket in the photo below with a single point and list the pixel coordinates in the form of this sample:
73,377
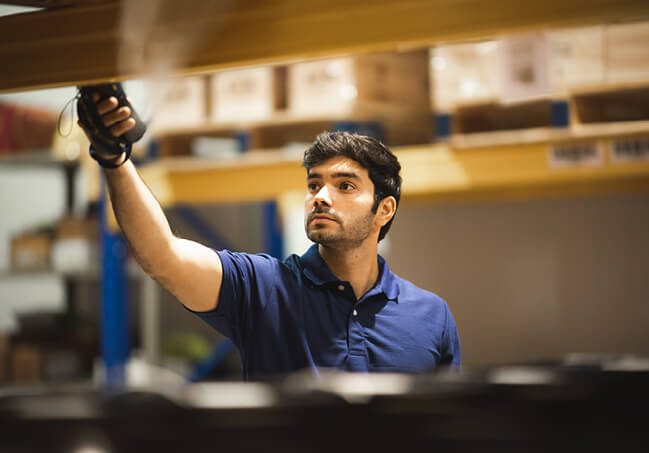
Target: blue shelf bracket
443,124
560,114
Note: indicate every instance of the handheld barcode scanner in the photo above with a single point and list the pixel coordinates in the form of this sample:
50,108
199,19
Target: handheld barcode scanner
91,120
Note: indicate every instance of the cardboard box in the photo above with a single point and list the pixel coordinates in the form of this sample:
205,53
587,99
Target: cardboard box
246,94
75,248
524,67
465,73
73,227
183,104
517,67
576,58
30,252
364,86
323,87
627,52
26,363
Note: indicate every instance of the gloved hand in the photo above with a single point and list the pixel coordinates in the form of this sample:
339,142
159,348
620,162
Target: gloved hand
109,122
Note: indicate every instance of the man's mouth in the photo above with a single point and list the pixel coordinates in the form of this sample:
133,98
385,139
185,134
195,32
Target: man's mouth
321,218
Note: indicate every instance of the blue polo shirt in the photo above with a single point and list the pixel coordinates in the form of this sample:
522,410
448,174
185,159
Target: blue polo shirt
285,316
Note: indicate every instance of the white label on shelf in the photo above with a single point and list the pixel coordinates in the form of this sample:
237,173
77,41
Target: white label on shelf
630,150
575,155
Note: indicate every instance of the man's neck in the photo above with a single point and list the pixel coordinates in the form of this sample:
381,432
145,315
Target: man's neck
358,266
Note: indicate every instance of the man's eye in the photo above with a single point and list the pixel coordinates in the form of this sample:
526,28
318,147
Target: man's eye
346,186
312,187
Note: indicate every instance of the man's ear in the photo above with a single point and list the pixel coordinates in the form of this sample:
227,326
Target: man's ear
386,210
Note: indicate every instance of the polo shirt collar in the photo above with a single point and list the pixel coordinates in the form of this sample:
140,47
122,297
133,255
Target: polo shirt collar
316,270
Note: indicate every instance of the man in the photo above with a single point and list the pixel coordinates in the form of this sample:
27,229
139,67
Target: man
338,305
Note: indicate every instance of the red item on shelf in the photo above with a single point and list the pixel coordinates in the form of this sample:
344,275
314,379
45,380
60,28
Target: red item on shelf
23,128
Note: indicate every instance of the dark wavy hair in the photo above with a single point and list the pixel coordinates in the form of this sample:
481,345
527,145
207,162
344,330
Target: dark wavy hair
383,166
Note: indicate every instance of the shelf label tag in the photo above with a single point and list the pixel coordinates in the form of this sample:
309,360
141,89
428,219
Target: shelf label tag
630,150
576,155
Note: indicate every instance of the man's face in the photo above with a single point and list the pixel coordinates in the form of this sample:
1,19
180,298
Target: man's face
338,205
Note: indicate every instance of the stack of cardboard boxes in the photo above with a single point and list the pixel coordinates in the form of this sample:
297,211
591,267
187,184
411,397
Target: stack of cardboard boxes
387,89
518,76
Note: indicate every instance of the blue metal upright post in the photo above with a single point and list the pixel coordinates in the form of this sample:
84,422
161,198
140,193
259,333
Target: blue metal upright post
115,337
274,241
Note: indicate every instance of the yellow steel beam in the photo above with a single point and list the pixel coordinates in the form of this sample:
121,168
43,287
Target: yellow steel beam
511,172
431,173
265,177
123,40
190,180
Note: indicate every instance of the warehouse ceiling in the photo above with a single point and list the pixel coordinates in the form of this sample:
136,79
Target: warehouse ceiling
73,42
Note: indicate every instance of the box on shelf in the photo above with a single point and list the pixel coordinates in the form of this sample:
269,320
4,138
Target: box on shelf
516,68
249,94
360,85
26,363
389,88
576,58
494,85
524,67
76,245
24,128
30,252
464,73
183,104
627,52
74,227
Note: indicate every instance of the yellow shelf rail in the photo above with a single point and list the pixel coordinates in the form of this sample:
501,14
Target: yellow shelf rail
561,165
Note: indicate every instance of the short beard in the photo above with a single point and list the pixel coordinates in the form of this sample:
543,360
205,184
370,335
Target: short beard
343,239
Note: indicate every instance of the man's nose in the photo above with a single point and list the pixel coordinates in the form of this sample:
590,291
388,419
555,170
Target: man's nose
322,196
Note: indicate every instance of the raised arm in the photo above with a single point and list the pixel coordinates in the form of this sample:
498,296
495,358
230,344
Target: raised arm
187,269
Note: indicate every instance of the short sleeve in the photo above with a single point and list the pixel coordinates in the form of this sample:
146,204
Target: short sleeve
247,279
451,343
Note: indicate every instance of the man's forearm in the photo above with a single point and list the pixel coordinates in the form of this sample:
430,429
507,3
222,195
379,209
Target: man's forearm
140,218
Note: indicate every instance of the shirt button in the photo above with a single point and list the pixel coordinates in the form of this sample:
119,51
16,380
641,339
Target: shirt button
341,287
355,313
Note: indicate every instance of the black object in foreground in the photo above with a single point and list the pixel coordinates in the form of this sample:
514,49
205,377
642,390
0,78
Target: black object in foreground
91,120
583,407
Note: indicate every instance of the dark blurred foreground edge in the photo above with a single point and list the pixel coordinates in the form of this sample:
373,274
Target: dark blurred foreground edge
553,408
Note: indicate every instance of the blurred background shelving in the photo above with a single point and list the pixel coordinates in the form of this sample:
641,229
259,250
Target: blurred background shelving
523,134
